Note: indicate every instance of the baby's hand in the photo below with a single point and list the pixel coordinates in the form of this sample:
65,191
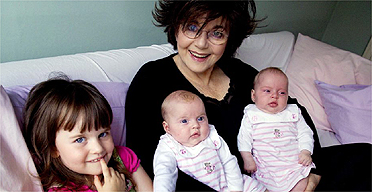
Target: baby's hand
250,165
112,180
304,158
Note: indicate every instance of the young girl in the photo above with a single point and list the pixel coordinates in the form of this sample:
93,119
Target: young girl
68,133
274,140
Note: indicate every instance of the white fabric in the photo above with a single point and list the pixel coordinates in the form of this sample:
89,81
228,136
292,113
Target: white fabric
275,141
267,50
210,162
17,169
116,65
204,162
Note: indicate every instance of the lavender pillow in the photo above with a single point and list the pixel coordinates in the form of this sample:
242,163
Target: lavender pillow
114,92
348,109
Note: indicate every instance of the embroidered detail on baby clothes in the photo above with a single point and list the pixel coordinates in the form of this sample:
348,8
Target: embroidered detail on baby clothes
254,118
208,167
182,151
294,116
277,133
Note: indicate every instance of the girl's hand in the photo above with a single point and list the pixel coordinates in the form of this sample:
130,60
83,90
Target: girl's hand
112,180
304,158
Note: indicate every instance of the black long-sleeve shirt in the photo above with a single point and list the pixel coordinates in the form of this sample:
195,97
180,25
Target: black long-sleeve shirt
157,79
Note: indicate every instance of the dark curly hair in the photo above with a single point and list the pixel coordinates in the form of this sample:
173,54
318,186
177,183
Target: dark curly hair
239,15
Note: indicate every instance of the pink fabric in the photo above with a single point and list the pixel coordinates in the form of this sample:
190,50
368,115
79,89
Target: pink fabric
17,170
129,158
84,188
314,60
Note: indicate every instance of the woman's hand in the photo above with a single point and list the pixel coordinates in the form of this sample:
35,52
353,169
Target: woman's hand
112,180
313,182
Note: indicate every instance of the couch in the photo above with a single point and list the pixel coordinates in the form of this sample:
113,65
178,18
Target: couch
334,85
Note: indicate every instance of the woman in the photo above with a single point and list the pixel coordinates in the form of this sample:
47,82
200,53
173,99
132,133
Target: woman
206,35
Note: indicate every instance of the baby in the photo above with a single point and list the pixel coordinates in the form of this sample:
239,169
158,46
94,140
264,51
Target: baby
274,140
193,146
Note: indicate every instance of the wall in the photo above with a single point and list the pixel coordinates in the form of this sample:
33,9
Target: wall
308,17
350,26
35,29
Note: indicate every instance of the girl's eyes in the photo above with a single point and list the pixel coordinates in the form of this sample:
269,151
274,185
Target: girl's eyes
282,93
83,139
266,91
104,134
80,140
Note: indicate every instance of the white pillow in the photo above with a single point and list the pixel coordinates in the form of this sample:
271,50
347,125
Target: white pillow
17,169
267,50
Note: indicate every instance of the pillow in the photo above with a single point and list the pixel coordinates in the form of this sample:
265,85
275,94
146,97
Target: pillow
267,49
114,92
349,112
17,169
314,60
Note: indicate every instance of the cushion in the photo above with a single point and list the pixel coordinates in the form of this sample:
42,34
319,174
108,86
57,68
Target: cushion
114,92
17,170
257,50
119,65
349,112
314,60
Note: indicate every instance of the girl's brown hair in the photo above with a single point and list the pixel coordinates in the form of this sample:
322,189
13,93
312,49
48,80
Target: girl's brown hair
57,104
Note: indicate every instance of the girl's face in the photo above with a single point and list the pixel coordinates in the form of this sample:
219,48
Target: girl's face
271,93
200,54
187,122
81,152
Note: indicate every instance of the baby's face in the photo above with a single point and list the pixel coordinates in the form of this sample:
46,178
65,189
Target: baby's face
271,93
81,152
187,122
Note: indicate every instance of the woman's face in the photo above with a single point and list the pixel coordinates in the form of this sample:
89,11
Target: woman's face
200,54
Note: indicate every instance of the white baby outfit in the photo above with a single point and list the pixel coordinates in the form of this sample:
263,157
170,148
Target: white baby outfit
210,162
275,141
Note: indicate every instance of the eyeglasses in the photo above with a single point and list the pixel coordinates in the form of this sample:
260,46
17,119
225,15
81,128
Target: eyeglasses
216,36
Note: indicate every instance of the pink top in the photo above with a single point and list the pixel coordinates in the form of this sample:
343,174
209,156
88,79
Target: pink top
129,159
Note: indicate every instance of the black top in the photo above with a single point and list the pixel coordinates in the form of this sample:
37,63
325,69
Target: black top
157,79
